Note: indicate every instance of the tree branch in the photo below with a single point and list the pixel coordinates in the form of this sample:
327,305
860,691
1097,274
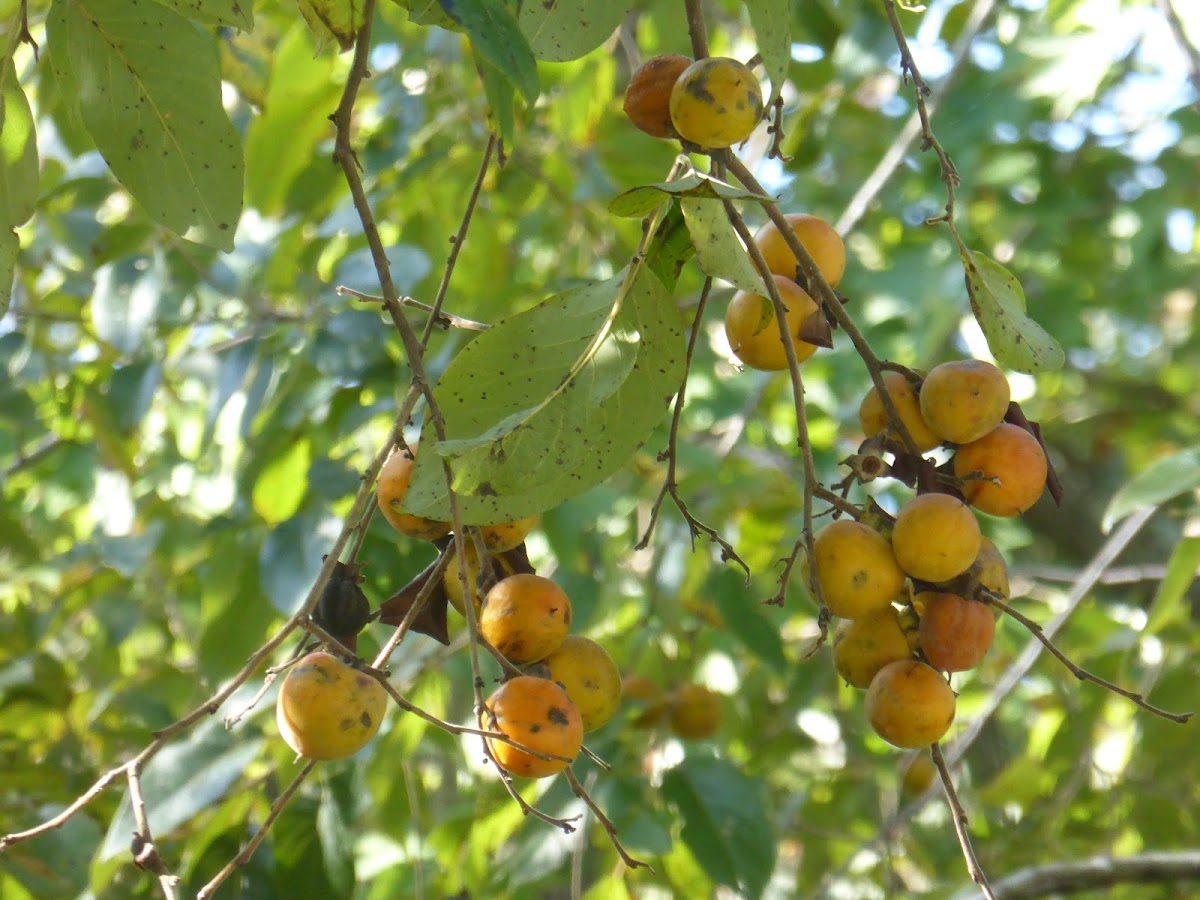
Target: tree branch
1095,873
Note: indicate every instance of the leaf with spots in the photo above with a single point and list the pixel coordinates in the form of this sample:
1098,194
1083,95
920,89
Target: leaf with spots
718,249
639,201
149,93
550,402
339,19
1017,341
562,30
238,13
494,32
772,21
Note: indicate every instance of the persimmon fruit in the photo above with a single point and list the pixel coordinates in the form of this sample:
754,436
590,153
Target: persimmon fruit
695,711
590,677
873,417
909,704
964,399
817,236
648,96
1012,456
327,709
537,713
936,537
391,487
856,568
716,102
955,633
753,329
526,617
863,646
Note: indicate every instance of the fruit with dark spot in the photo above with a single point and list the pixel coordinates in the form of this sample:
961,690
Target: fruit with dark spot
589,676
817,236
856,569
536,713
753,329
327,709
716,102
525,617
506,535
390,490
648,96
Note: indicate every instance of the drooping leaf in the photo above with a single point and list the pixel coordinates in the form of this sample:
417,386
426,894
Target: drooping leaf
550,402
1017,341
718,249
495,33
500,96
1159,482
339,19
280,488
428,12
725,822
18,151
10,249
149,92
640,201
563,30
238,13
772,21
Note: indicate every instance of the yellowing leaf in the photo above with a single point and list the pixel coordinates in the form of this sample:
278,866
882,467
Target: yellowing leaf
1017,341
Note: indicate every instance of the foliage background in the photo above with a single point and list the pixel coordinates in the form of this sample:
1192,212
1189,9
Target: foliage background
181,430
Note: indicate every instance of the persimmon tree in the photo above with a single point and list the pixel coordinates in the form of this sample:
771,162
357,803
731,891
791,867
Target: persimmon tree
254,259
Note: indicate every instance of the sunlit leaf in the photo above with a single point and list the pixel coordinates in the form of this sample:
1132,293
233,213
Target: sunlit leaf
718,249
1017,341
280,488
548,403
1159,482
10,249
150,95
772,31
239,13
18,151
567,29
341,19
640,201
1168,604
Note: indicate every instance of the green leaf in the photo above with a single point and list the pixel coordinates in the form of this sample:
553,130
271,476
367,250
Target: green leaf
563,30
184,779
670,248
772,22
290,560
499,92
719,250
640,201
725,823
18,151
744,614
149,92
550,402
340,19
495,33
280,488
238,13
10,249
1168,606
1017,341
428,12
1159,482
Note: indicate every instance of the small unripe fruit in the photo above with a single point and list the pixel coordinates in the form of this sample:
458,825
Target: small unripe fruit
964,399
874,418
695,712
753,329
537,713
1010,454
589,676
909,704
856,569
864,646
390,490
919,773
327,709
936,537
955,633
648,96
817,236
716,102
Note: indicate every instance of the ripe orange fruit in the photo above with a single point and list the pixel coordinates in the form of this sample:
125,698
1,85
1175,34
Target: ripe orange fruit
862,647
507,535
856,568
648,96
390,490
589,676
525,617
964,399
936,537
695,712
537,713
716,102
874,419
1014,456
909,704
817,236
753,330
955,633
327,709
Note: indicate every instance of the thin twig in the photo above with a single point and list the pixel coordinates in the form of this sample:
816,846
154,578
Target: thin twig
959,817
605,822
437,317
696,29
1082,674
